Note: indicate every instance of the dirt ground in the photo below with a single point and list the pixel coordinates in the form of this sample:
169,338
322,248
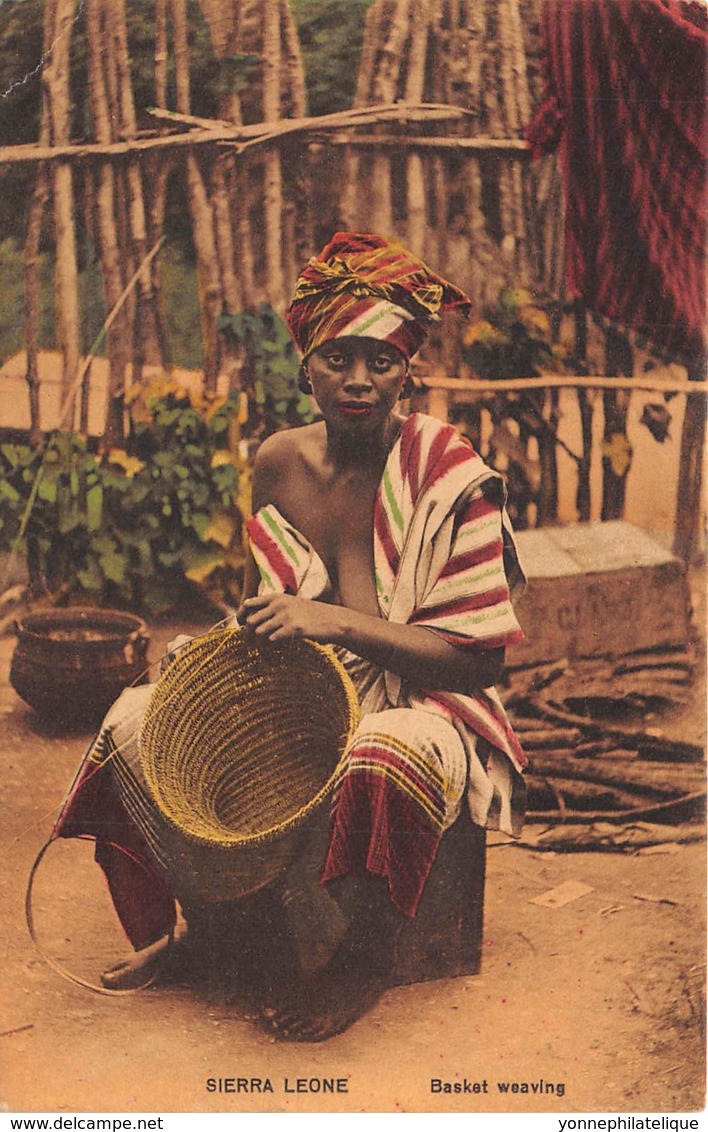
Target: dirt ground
594,1006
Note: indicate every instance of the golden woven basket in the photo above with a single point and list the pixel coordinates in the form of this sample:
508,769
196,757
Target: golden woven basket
239,746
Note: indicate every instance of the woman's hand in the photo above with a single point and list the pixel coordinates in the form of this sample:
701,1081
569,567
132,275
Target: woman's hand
418,655
281,617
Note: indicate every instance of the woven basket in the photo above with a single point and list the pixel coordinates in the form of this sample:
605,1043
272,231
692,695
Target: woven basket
71,664
240,745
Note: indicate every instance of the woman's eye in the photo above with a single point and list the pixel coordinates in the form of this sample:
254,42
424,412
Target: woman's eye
336,360
383,362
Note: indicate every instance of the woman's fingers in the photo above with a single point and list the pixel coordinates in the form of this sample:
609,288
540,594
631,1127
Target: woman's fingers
257,616
282,616
268,620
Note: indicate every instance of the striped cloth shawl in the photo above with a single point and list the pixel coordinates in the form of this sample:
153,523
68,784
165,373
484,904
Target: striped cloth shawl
445,560
625,102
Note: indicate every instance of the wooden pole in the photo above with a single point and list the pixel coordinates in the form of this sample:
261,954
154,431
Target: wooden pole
350,199
208,280
55,79
691,466
272,170
617,455
385,89
109,246
32,278
146,335
415,86
461,386
242,138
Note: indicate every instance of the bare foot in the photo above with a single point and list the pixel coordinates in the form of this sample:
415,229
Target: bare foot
325,1005
141,967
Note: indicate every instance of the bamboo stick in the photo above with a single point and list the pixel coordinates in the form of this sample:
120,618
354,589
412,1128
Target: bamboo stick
515,147
350,199
31,261
291,62
562,381
691,464
241,137
146,347
358,115
113,269
110,319
226,28
243,237
208,278
472,178
56,84
415,89
619,361
272,171
32,272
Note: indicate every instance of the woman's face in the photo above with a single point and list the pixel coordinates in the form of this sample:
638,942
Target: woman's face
356,381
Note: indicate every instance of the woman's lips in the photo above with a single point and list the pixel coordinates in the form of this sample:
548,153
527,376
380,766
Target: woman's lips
353,410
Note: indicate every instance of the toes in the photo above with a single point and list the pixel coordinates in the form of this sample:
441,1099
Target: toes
116,969
130,974
122,977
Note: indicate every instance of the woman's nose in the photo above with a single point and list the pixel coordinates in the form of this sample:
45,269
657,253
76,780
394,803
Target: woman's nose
358,373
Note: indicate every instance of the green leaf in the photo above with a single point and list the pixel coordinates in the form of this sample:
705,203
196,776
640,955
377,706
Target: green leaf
90,578
200,561
168,557
7,491
94,507
69,521
47,490
113,566
200,523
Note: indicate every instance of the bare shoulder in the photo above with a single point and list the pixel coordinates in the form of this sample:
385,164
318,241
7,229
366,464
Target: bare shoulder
279,458
283,446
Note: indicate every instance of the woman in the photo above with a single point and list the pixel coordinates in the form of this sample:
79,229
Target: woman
389,535
383,536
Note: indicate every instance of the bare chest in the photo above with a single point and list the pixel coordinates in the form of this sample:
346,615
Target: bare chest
337,519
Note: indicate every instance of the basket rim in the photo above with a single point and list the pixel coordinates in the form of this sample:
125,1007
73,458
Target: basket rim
280,829
119,624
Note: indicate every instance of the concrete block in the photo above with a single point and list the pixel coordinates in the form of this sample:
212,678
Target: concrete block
598,589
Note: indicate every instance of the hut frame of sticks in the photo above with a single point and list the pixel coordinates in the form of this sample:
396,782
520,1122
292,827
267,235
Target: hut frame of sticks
431,151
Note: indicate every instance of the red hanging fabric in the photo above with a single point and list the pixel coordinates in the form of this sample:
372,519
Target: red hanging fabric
626,90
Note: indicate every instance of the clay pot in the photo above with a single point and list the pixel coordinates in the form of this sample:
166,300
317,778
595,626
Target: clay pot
71,664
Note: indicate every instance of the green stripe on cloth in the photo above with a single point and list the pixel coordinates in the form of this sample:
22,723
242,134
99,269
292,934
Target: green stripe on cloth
390,499
278,536
265,576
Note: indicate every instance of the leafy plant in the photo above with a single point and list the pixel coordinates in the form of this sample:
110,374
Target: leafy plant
137,527
270,370
512,340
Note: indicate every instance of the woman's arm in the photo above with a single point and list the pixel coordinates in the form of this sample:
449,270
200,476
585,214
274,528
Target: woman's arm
268,470
418,655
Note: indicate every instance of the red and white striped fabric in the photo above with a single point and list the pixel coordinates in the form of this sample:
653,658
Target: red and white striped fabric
625,105
444,559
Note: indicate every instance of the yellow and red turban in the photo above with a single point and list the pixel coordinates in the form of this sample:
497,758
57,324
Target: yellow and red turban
366,286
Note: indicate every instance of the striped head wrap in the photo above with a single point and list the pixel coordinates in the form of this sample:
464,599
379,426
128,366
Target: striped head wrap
364,285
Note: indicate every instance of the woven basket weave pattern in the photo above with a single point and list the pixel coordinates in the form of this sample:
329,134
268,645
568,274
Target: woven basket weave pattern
241,742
